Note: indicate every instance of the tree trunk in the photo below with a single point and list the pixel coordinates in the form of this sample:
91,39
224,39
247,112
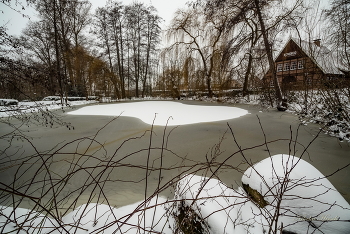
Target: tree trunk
58,66
116,42
147,64
269,54
210,91
122,74
246,76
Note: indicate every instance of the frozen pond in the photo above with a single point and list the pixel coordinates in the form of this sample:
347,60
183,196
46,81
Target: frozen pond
118,138
164,113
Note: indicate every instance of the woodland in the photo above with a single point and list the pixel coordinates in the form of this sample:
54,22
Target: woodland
210,48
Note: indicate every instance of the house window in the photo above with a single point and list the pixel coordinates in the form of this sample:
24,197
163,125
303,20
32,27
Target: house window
279,67
293,65
300,65
286,66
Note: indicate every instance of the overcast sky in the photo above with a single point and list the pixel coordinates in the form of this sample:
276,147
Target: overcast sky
15,22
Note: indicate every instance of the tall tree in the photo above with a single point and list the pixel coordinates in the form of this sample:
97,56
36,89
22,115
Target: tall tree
101,30
129,36
116,20
199,36
152,34
135,24
38,42
80,19
268,48
339,29
68,19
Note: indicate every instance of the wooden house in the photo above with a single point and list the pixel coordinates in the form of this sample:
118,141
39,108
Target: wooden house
307,64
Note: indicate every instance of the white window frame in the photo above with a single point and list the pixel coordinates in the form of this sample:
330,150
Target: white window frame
300,64
293,65
279,67
286,66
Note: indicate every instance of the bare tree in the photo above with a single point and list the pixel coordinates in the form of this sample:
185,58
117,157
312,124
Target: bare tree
339,24
101,29
136,24
200,37
116,21
131,33
152,38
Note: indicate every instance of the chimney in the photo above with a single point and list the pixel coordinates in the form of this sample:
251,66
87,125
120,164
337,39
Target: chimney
317,42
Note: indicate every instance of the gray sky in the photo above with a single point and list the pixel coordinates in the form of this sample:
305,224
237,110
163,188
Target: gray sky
15,22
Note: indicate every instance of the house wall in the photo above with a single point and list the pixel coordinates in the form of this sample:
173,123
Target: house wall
298,72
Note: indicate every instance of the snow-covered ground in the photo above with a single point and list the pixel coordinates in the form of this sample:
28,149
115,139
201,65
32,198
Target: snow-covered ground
164,112
29,107
7,102
305,200
330,111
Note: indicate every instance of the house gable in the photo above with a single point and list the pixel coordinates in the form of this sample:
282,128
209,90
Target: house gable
290,51
294,60
301,63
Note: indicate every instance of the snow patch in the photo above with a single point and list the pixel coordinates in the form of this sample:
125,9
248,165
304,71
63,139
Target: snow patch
164,112
31,107
7,102
309,200
91,217
225,210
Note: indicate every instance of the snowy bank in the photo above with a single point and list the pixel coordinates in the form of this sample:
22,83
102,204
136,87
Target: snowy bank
90,218
298,197
32,107
305,200
220,209
8,102
164,112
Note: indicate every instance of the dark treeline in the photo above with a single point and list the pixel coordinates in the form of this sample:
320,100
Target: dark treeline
71,52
